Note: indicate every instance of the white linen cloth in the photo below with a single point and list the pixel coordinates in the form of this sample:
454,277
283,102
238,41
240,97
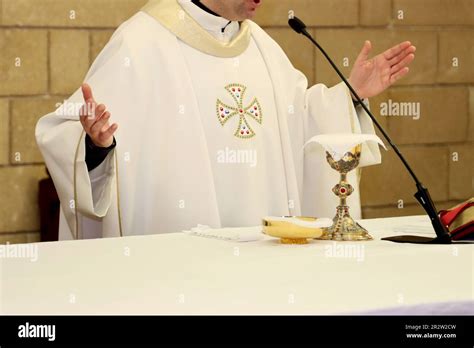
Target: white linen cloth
181,274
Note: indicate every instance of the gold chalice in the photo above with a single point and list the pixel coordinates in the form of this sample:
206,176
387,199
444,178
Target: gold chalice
344,228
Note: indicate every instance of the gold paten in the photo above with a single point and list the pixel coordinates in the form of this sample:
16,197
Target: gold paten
290,233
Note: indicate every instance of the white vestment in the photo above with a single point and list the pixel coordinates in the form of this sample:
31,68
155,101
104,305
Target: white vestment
211,131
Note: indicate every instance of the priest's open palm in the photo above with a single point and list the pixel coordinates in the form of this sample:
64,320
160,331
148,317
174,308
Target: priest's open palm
370,77
95,120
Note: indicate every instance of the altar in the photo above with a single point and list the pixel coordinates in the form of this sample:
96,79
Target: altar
180,274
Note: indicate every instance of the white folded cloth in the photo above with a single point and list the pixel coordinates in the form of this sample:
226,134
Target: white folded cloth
238,234
318,223
337,144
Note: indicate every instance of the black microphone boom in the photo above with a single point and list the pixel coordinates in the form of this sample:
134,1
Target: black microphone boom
422,195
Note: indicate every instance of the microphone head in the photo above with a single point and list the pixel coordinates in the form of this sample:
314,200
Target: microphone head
297,25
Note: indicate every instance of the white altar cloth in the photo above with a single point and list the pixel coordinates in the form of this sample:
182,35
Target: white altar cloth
184,274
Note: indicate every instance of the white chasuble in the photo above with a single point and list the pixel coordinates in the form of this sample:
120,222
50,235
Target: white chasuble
238,113
211,131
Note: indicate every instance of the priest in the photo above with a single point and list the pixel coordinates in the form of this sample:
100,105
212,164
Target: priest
193,115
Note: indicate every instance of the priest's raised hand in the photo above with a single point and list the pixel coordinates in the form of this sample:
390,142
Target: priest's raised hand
370,77
95,120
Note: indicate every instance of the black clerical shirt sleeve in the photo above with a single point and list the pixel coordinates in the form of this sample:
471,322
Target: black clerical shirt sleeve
95,155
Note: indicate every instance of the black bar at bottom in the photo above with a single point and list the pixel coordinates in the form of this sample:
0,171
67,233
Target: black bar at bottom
454,331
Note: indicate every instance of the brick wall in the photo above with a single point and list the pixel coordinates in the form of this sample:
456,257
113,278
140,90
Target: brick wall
47,46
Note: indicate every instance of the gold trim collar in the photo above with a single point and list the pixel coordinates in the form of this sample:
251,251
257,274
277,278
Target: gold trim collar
173,17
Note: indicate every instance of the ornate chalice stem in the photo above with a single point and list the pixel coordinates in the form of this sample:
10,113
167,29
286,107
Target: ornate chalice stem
342,190
344,228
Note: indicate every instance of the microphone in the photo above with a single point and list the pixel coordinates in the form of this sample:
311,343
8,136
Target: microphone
297,25
422,195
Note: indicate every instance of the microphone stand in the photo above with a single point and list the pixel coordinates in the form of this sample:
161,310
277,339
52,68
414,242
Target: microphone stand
422,195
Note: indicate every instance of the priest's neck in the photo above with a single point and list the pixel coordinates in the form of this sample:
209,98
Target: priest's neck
199,4
233,10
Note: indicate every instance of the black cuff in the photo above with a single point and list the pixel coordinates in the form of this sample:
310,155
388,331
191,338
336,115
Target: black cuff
95,155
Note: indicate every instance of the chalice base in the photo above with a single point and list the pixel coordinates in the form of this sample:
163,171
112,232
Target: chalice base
345,228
